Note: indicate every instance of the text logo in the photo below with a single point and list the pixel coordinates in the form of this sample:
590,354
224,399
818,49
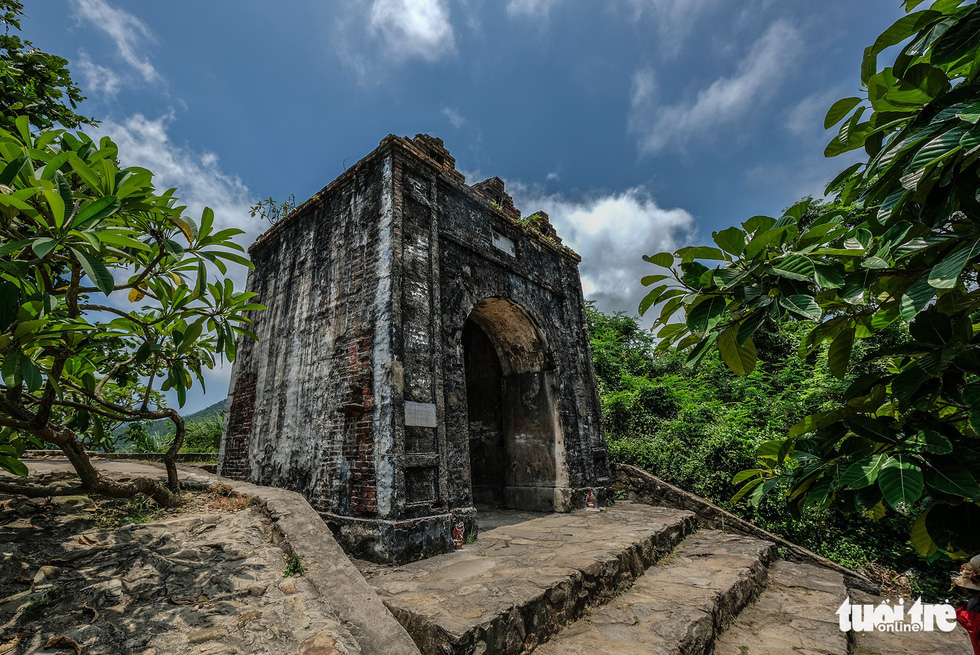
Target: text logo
920,617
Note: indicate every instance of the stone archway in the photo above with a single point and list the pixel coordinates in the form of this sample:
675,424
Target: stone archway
514,438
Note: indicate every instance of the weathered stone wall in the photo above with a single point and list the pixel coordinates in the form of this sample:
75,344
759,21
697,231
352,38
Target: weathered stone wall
355,394
302,396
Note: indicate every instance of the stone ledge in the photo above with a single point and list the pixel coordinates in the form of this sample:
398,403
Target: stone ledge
647,488
302,532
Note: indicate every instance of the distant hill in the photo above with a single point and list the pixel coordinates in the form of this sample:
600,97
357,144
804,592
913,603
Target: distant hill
163,426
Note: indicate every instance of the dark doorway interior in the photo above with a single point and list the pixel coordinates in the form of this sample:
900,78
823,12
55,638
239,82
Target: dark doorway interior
484,403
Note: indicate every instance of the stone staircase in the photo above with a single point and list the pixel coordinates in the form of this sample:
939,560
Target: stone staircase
630,579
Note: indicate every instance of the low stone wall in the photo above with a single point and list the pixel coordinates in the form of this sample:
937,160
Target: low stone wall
644,487
145,457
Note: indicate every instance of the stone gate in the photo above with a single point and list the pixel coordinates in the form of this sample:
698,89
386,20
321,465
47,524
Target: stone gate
424,353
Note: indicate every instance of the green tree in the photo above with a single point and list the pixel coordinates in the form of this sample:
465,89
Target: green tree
104,297
901,244
34,83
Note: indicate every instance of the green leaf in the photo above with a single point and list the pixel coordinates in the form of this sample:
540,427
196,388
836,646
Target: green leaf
900,481
96,211
795,267
954,479
903,28
802,305
839,354
930,441
9,302
31,374
11,170
863,473
43,246
746,488
664,259
96,271
705,313
839,110
731,240
740,358
690,253
652,279
945,274
13,465
870,428
751,324
921,541
916,297
745,475
11,369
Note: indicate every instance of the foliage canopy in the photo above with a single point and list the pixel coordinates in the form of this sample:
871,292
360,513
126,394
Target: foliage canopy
901,244
104,295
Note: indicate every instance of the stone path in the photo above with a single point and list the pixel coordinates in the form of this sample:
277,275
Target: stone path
678,605
796,614
518,584
179,585
205,582
630,579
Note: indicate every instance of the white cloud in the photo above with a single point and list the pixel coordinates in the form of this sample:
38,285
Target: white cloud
370,38
454,117
125,30
198,177
806,117
98,78
725,101
531,8
413,28
612,232
200,183
673,19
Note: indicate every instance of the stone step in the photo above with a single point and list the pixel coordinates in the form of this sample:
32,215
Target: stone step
679,605
519,584
795,614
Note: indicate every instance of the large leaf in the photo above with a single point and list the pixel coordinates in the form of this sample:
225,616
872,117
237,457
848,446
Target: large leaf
953,479
95,270
839,355
731,240
921,541
795,267
705,313
664,259
740,358
900,481
802,305
9,302
945,274
863,473
839,110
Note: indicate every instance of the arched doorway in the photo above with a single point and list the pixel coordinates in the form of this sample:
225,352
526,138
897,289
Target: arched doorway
511,411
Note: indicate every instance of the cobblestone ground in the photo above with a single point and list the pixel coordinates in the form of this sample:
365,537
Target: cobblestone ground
205,579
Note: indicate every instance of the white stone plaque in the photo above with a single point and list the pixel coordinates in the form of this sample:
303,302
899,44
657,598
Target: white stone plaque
420,415
503,243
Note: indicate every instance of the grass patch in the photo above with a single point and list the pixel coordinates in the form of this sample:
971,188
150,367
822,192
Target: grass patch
293,567
114,513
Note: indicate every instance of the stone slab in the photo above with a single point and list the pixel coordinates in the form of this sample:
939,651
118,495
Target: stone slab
795,614
677,606
519,584
298,529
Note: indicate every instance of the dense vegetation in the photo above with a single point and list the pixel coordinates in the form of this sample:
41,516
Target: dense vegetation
109,293
900,246
698,427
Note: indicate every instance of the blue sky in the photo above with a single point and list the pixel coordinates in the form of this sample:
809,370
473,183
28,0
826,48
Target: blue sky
638,125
